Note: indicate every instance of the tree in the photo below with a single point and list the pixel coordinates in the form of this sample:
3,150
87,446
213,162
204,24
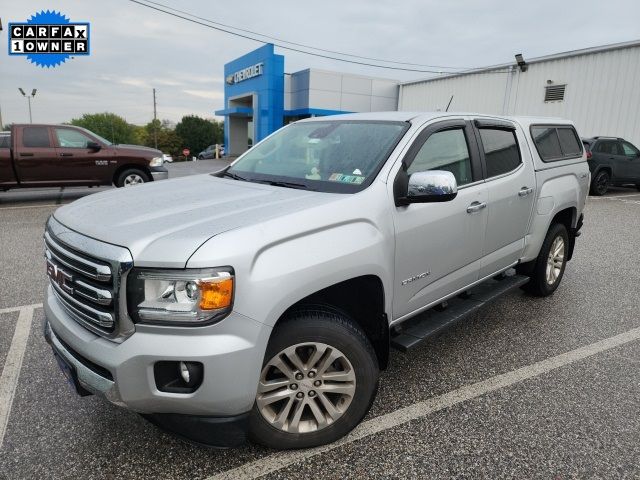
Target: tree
168,140
107,125
198,133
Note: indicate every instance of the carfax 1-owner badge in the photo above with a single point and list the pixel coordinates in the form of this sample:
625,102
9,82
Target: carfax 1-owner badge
49,38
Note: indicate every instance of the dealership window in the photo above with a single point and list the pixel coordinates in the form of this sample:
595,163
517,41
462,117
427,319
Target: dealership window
72,138
36,137
501,153
446,150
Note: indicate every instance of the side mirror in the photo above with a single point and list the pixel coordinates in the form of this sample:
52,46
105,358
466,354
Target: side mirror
94,146
431,186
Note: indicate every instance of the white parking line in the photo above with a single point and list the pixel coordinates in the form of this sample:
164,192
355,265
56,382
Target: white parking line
278,461
33,206
615,197
13,364
20,308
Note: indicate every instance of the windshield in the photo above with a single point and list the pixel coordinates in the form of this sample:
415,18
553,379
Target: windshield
328,156
103,140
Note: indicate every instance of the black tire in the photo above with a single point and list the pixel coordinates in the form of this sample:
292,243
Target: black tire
327,326
122,177
638,187
600,183
200,157
537,271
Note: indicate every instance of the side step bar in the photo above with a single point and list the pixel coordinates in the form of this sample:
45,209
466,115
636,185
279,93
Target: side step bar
431,322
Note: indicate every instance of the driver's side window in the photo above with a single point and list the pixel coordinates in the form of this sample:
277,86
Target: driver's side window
68,138
630,150
445,150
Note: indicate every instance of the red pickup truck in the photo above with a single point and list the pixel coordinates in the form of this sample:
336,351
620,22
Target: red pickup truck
64,155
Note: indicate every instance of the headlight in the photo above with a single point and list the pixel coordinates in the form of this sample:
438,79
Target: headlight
156,162
184,297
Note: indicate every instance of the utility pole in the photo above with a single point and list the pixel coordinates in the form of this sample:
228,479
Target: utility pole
29,97
155,117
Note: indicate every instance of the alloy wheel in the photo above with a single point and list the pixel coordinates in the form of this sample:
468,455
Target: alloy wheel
133,179
555,260
306,387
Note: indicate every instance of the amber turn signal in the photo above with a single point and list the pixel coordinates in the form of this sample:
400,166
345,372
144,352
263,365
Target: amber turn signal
216,293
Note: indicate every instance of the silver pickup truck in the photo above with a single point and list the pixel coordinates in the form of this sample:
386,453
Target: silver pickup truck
263,300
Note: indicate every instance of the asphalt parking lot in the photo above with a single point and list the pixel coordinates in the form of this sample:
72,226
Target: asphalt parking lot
527,388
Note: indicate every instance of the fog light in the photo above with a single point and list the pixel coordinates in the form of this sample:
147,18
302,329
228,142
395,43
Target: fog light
178,376
184,373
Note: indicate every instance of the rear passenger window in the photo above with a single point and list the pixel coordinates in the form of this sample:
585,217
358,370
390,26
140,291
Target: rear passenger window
569,142
36,137
501,151
546,140
5,141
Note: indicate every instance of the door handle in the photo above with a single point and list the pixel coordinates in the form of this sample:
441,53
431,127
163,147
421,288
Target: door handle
476,207
26,154
584,175
66,154
524,191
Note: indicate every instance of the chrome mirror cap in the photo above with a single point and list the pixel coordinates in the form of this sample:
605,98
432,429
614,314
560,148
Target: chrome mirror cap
431,186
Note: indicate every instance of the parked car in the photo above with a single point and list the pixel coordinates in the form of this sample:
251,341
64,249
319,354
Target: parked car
612,161
207,153
210,152
64,155
167,158
265,302
5,139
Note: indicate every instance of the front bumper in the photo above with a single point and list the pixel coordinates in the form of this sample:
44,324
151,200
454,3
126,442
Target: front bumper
231,351
159,173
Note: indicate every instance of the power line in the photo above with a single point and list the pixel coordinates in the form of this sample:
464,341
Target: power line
248,37
311,47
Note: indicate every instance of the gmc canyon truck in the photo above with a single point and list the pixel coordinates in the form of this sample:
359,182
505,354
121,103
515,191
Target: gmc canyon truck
64,156
264,303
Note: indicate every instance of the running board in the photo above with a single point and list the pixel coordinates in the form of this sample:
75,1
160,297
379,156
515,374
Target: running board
433,321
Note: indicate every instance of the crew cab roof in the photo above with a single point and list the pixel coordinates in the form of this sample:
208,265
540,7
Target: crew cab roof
421,117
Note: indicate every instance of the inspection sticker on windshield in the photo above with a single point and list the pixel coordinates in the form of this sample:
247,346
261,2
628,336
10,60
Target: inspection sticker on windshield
339,177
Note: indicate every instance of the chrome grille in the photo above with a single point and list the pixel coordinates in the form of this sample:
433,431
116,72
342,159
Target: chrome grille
84,286
87,277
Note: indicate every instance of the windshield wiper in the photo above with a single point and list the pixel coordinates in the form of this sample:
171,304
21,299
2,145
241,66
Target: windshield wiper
234,176
278,183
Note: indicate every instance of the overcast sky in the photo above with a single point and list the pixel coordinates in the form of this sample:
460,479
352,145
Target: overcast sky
134,49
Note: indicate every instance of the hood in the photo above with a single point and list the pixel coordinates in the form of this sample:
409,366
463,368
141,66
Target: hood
163,223
137,149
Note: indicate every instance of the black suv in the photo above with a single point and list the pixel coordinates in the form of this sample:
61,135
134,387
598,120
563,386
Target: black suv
612,161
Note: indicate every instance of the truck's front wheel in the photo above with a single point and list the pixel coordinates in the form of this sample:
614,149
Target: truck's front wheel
131,177
318,380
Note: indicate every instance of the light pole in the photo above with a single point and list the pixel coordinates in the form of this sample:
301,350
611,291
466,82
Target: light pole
29,97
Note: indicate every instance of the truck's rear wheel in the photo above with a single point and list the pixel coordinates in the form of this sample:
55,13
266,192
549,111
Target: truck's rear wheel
549,267
318,380
131,177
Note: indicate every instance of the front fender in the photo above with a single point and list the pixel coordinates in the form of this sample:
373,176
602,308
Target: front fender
291,269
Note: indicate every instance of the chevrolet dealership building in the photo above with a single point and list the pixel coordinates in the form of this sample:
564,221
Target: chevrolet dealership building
595,87
259,97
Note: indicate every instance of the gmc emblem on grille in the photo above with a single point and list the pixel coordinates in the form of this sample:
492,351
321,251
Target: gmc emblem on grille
60,277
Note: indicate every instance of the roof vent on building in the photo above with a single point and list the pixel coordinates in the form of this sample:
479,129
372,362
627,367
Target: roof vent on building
554,93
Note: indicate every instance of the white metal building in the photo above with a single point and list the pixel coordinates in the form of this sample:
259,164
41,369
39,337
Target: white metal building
598,88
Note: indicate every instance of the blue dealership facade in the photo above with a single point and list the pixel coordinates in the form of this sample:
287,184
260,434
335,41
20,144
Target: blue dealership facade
259,98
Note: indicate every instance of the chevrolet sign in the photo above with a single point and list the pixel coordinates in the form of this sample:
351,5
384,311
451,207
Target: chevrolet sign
245,74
